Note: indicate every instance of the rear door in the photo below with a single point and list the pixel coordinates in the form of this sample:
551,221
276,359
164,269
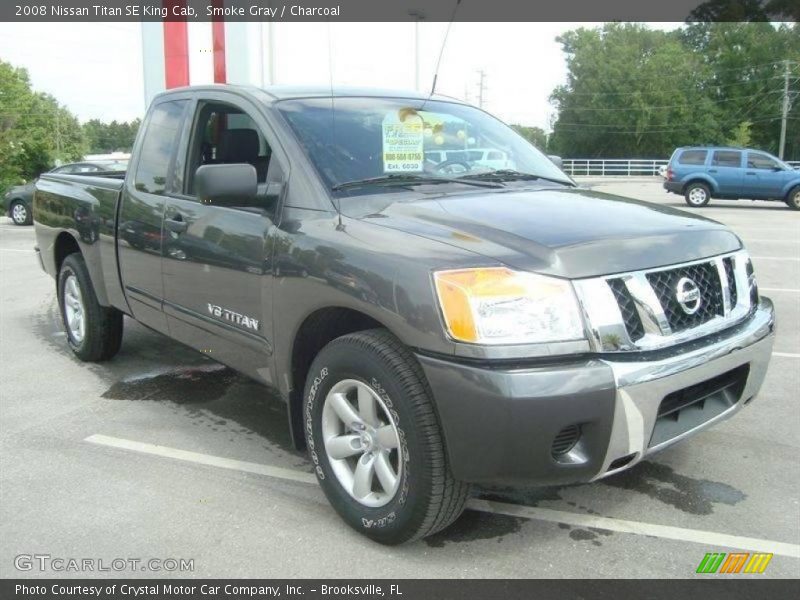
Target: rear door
217,260
726,169
764,176
139,229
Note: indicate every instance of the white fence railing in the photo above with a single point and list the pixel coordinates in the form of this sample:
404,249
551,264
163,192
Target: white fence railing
620,167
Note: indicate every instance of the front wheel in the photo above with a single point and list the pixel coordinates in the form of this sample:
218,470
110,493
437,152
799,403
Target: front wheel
20,214
697,195
375,441
94,332
793,199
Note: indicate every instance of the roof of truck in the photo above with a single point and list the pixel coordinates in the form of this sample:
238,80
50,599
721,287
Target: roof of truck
286,92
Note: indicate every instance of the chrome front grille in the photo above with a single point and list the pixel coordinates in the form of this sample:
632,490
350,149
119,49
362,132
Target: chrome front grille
707,279
656,308
627,307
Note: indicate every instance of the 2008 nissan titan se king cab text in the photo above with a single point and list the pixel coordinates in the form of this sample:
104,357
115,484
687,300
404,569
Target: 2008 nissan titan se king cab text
432,320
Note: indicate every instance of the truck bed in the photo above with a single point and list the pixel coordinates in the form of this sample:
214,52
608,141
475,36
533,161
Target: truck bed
81,207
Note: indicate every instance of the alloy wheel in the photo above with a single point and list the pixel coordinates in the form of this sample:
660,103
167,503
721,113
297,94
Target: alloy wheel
74,309
362,443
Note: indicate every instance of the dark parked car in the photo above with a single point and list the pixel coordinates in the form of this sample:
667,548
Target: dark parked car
17,200
427,331
702,173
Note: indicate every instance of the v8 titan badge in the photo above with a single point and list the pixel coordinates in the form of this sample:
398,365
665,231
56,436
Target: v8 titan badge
402,142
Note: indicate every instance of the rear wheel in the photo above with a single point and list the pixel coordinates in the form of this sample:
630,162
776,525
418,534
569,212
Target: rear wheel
375,441
793,199
94,332
697,194
20,213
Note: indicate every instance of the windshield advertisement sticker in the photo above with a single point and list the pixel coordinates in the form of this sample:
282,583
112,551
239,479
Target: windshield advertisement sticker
402,142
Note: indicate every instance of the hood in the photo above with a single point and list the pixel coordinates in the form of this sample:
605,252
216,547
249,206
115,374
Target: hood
571,233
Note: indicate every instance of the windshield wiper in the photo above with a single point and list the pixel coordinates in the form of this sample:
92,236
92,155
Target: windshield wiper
408,179
501,175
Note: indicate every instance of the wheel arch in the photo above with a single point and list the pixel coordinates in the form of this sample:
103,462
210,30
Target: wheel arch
707,181
318,329
64,245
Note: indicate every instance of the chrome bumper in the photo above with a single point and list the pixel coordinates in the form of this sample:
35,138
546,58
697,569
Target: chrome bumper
641,386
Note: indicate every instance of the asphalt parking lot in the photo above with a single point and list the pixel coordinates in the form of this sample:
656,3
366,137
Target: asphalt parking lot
161,453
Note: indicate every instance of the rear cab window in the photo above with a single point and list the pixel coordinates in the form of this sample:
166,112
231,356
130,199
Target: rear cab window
693,157
158,146
727,158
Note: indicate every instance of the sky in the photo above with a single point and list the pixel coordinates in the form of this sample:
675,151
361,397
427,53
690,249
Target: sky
95,69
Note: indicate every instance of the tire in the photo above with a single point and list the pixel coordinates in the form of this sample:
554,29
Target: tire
793,198
100,335
20,214
697,195
426,497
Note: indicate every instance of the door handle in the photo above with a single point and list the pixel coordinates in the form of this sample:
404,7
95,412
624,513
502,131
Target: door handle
176,224
712,170
749,173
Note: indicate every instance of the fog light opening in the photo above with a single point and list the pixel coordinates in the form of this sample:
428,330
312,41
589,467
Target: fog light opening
565,440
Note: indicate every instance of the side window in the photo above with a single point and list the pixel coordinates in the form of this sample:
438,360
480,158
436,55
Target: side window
760,161
727,158
223,134
693,157
495,156
158,146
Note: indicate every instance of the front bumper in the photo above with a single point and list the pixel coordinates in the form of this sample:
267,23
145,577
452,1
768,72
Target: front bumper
500,423
676,187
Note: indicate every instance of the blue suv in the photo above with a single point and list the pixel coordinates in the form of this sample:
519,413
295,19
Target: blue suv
702,173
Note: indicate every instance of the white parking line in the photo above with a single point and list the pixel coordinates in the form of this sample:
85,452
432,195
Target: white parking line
14,250
203,459
786,355
787,290
708,538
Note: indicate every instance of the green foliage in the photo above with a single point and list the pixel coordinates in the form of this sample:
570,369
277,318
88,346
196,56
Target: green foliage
636,92
741,135
535,135
35,130
104,138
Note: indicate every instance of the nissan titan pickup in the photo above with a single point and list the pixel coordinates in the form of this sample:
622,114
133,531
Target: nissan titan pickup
433,316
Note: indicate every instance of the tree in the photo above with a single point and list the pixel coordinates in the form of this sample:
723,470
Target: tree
103,138
631,92
634,92
745,63
35,131
535,135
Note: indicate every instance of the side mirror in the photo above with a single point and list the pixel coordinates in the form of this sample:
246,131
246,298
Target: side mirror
226,185
556,160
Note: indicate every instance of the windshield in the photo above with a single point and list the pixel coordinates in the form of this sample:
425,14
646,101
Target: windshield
401,141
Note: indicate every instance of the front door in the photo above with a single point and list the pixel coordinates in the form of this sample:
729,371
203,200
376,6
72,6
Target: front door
140,235
764,176
217,260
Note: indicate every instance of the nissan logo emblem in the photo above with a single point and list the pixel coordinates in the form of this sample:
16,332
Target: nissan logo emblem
688,295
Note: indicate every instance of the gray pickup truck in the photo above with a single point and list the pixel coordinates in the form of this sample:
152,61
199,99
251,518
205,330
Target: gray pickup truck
432,321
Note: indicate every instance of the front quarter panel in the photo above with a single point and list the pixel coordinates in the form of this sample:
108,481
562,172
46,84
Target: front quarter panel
382,273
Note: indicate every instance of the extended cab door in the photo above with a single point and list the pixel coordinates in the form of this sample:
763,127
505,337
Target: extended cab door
764,176
726,170
217,259
139,223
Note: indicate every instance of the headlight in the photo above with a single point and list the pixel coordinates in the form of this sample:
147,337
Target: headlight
500,306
